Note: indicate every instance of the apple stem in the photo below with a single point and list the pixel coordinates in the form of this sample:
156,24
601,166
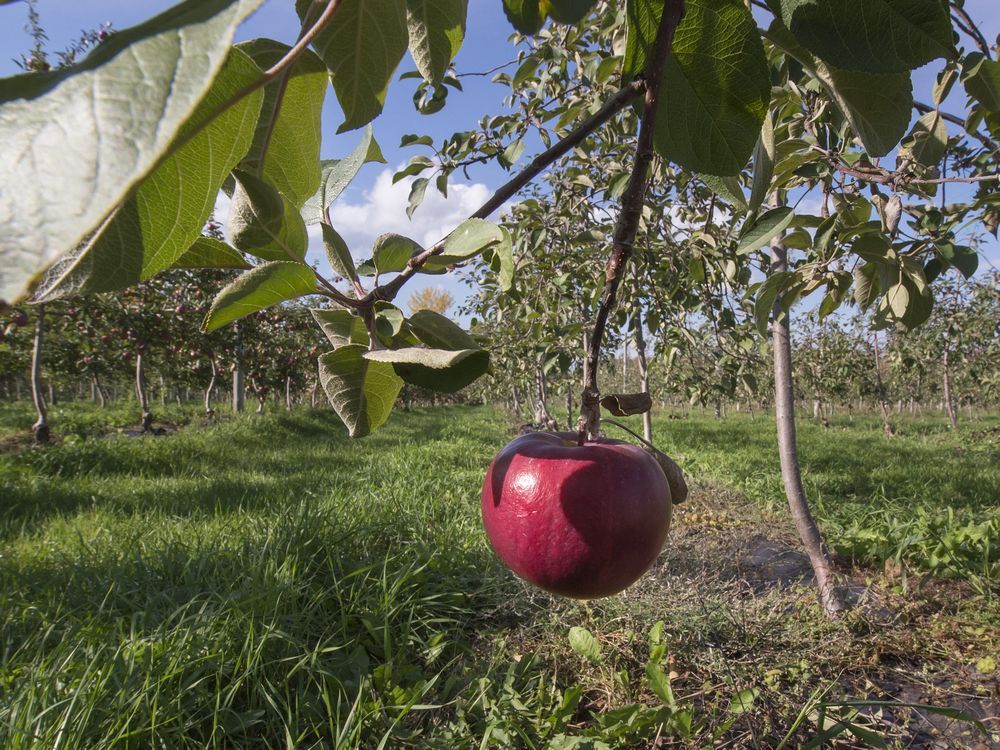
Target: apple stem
629,217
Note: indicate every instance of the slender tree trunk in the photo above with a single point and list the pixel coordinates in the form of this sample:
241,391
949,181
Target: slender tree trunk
791,474
883,405
542,415
516,401
239,376
163,392
101,397
141,395
570,413
625,365
288,393
209,411
315,387
52,393
949,404
41,426
640,353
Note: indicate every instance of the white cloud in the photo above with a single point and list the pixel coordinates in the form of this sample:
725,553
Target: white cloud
384,210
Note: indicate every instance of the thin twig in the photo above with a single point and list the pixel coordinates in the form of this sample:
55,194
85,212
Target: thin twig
971,29
615,104
629,217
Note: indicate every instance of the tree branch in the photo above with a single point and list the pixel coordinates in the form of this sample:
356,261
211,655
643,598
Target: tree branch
629,217
956,120
966,24
615,104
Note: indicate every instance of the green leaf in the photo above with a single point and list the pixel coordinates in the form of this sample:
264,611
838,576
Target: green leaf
362,47
337,253
981,78
583,642
341,327
927,141
361,391
867,285
97,128
659,684
767,226
265,223
417,190
743,701
436,369
966,260
503,251
728,188
469,239
763,164
524,15
391,251
289,128
876,105
716,85
337,174
264,286
164,216
207,252
898,297
437,28
774,286
438,332
874,36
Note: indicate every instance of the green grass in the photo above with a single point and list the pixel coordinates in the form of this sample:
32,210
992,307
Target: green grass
928,496
266,582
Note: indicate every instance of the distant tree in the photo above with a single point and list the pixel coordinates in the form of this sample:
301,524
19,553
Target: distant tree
433,298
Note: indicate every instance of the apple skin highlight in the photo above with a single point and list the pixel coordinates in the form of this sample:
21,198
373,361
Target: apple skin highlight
579,521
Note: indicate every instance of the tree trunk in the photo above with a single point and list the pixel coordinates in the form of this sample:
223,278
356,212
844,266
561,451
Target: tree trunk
516,401
640,353
949,404
163,392
570,413
102,399
239,376
52,393
140,392
41,426
625,366
288,393
209,411
791,474
883,405
542,415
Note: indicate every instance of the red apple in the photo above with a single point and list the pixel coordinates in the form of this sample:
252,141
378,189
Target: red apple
580,521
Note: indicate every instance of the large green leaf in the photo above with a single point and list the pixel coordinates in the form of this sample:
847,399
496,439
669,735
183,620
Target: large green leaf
337,252
716,85
527,15
164,216
469,239
76,141
874,36
437,28
208,252
341,327
878,106
264,222
361,391
362,47
438,332
436,369
285,150
927,141
767,226
391,251
264,286
336,175
981,78
524,15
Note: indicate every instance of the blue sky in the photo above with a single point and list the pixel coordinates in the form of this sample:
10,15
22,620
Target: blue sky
373,205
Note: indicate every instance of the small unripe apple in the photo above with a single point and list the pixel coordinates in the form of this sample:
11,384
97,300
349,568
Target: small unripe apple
583,521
